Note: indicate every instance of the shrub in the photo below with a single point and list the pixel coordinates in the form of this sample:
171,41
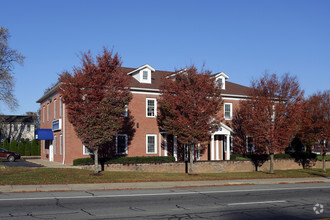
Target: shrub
13,146
306,159
83,161
238,157
156,159
21,148
35,148
320,158
5,144
28,148
282,156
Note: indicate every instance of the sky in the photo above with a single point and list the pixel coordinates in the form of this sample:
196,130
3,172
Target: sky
243,38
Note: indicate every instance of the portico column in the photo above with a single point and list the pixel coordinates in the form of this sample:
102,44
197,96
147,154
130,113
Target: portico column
212,147
175,148
217,149
228,147
165,145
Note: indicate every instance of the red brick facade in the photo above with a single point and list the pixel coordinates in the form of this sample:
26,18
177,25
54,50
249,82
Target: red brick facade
66,146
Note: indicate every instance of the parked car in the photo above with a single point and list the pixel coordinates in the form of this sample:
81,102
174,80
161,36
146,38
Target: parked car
10,156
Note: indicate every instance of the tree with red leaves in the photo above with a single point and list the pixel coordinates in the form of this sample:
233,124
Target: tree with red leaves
189,105
315,127
95,96
271,113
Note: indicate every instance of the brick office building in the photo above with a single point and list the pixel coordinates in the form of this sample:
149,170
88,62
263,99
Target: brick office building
60,143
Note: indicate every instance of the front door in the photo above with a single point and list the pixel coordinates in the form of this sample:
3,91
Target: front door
51,152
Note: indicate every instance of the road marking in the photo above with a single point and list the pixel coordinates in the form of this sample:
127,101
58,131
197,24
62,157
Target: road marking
251,203
161,194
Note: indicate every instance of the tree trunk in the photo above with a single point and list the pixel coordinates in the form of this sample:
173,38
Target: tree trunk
271,170
96,160
191,159
323,162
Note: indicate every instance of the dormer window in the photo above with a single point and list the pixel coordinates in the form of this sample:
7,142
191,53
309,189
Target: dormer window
142,74
145,75
220,80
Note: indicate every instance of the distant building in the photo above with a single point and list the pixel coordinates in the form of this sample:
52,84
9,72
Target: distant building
16,127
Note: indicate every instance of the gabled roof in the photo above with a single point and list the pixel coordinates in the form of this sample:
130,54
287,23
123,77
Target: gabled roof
16,119
140,68
232,89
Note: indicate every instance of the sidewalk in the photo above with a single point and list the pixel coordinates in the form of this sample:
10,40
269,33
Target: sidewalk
145,185
155,185
49,164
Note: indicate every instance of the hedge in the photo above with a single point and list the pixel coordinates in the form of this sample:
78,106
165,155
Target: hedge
154,159
24,147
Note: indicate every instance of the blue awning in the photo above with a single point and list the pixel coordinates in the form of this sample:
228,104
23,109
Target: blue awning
44,134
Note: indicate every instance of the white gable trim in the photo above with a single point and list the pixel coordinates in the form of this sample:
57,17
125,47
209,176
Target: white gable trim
141,68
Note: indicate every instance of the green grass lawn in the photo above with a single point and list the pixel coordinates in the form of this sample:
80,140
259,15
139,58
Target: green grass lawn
31,176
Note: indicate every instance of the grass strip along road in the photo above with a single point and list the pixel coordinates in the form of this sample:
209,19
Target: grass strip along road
37,176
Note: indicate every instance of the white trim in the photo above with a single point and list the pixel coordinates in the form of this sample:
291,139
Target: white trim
63,133
237,99
144,89
61,144
142,67
155,144
145,93
230,112
217,149
233,95
175,147
126,150
155,108
165,145
212,147
160,144
47,111
228,147
85,151
55,110
55,144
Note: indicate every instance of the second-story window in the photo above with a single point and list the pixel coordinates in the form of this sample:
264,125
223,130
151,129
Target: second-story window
228,111
28,128
151,107
43,114
55,105
15,127
48,112
61,106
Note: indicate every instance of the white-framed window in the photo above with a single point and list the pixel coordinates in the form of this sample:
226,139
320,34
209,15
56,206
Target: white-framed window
87,151
28,127
55,105
61,106
151,143
15,127
151,107
145,75
61,144
249,144
125,114
48,112
228,111
43,113
55,144
121,144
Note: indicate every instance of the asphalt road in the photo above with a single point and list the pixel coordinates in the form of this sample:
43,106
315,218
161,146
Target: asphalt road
283,201
19,163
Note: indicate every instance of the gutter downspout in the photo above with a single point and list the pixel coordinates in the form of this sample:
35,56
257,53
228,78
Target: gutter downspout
64,116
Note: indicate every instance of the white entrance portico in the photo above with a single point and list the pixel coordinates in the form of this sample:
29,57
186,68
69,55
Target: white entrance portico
220,143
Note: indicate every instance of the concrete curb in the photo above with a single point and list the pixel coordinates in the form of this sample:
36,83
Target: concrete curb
154,185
